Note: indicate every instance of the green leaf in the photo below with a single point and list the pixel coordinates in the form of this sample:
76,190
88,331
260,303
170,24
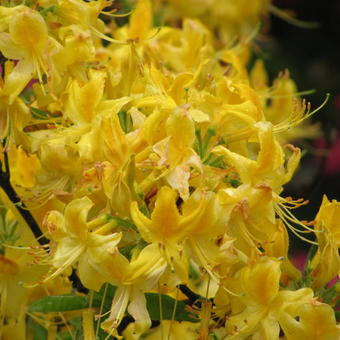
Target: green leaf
59,303
125,121
168,305
40,332
70,302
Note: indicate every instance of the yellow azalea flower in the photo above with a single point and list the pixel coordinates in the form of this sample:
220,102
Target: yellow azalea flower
29,43
59,166
13,295
83,99
155,164
263,303
186,49
250,216
78,49
85,15
312,320
208,243
105,140
267,168
176,153
326,262
133,279
166,224
168,228
79,241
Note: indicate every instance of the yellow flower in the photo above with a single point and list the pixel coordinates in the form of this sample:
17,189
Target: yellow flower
168,229
250,216
78,49
84,100
105,140
268,166
263,304
326,262
133,279
79,241
29,43
312,320
176,155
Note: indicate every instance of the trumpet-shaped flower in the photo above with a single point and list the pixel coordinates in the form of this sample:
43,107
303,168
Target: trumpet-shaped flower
133,279
78,241
263,302
168,228
29,43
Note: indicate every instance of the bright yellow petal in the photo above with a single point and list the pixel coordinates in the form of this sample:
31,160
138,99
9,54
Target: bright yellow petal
141,20
137,309
16,81
261,282
142,222
88,275
149,263
76,216
9,49
165,216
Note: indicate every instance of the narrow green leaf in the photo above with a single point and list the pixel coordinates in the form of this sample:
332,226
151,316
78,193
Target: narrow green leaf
59,303
70,302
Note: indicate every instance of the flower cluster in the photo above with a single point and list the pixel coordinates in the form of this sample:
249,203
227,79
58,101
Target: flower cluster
142,171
